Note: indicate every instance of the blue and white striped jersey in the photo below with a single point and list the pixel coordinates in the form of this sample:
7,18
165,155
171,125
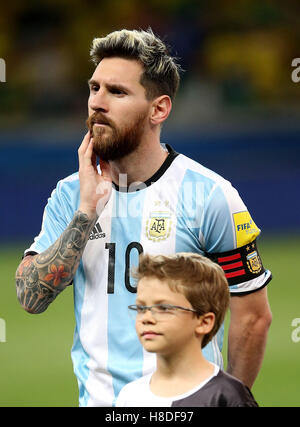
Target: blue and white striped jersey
184,207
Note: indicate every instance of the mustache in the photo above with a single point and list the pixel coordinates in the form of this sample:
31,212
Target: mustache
98,117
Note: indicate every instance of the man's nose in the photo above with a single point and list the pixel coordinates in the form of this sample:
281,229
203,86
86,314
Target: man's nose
98,101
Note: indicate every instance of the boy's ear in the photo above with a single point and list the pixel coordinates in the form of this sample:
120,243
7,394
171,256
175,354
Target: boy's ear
205,323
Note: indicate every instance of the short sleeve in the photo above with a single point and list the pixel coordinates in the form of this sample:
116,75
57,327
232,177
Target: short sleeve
227,223
229,235
57,215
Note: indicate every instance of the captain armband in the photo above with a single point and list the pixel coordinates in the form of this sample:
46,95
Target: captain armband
241,264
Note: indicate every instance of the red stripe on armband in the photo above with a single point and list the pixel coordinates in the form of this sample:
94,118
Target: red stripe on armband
231,266
229,258
235,274
240,264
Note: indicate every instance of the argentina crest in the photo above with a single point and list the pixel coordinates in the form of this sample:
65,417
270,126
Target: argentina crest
254,262
159,225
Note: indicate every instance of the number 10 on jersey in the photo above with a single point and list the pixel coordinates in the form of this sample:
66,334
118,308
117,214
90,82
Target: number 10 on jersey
112,265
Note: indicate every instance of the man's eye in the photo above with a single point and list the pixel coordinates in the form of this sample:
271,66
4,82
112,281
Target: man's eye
116,92
94,88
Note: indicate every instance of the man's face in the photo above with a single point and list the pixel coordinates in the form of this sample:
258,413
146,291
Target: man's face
118,108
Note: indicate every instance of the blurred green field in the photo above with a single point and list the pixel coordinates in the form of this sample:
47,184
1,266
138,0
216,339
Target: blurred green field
35,363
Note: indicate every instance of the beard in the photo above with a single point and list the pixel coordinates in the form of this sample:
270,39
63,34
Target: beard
112,142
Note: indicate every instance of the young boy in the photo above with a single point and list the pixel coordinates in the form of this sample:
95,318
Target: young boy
181,303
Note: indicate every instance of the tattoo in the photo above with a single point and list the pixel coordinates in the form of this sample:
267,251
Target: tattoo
40,278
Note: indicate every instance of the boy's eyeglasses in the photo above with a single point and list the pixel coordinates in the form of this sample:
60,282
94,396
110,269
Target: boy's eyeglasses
158,311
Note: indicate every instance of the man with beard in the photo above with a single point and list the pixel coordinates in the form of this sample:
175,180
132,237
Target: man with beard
141,197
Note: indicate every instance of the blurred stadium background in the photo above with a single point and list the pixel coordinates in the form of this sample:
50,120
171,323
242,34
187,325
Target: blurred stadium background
237,113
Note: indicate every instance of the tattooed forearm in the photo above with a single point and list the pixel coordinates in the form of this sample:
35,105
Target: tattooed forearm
40,278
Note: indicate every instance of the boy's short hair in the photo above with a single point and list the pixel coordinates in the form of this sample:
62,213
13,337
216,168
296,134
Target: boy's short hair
199,279
161,75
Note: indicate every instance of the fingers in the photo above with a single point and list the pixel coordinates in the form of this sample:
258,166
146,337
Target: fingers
84,144
86,154
94,160
89,150
90,155
87,157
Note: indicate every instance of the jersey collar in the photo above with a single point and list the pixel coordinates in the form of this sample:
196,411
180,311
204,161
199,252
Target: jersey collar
158,174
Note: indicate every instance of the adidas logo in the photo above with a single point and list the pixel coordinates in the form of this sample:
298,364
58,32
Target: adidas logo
96,233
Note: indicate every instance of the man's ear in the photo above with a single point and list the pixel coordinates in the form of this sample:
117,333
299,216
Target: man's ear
161,108
205,323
